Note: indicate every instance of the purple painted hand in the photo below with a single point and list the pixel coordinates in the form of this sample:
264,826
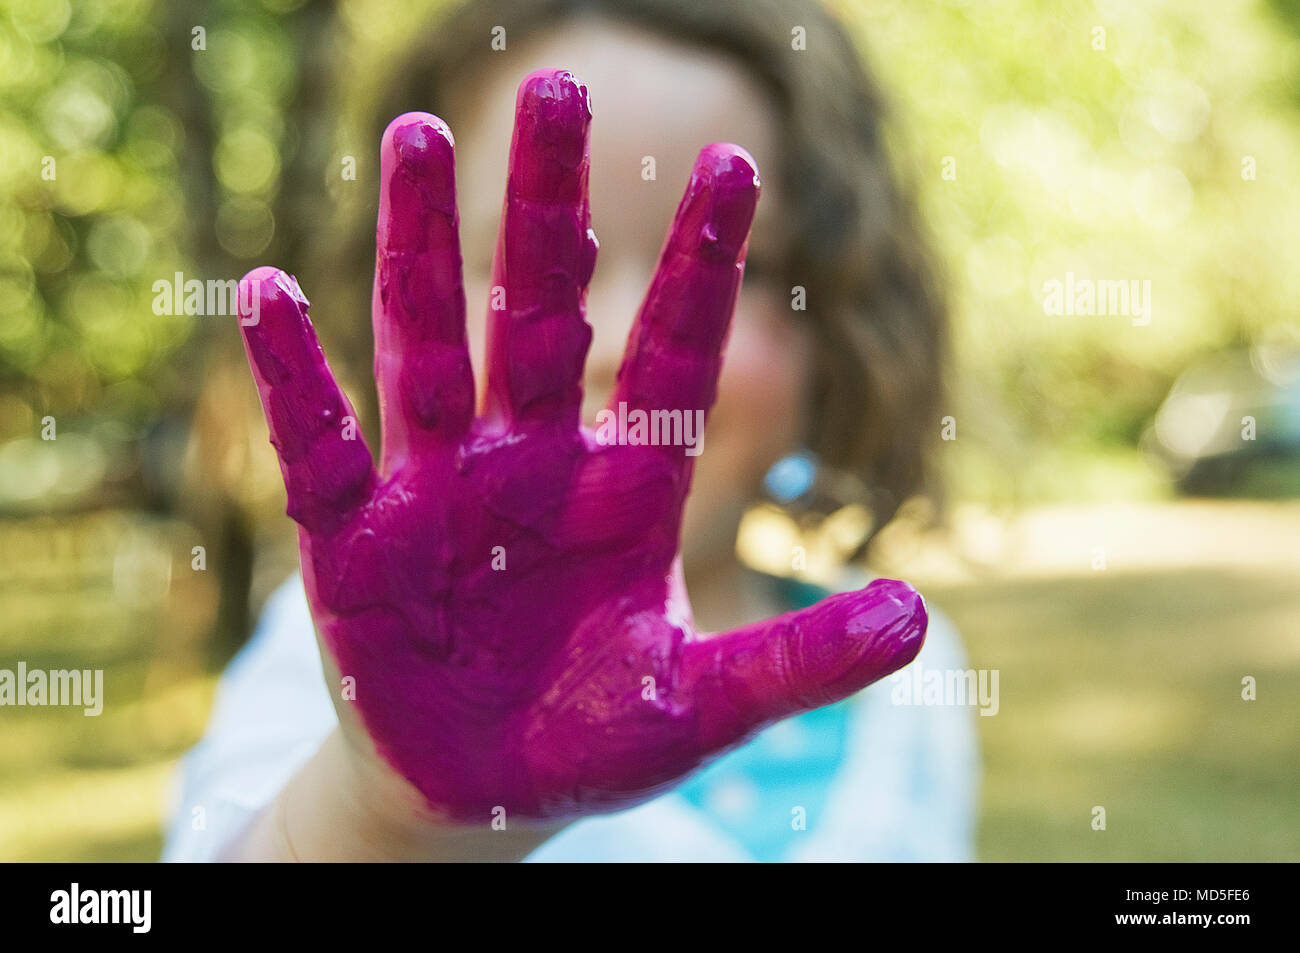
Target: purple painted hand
504,589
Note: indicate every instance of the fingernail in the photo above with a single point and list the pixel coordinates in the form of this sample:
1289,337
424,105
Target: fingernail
720,200
893,618
552,122
421,142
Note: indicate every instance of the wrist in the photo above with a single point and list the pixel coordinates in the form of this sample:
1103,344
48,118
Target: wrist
339,809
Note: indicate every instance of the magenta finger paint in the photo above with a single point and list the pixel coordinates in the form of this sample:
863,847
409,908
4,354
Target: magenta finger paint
504,589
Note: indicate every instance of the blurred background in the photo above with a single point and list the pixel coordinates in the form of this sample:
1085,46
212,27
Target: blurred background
1121,530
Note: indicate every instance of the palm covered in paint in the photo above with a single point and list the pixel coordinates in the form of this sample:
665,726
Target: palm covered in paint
504,588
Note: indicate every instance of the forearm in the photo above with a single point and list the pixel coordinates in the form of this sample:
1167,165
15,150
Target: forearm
327,812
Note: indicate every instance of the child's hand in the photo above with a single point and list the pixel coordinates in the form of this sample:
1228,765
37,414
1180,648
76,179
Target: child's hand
500,602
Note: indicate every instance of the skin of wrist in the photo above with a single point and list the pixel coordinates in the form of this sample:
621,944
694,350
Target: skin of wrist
341,808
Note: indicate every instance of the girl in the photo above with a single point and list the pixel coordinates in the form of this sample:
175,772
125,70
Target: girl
300,763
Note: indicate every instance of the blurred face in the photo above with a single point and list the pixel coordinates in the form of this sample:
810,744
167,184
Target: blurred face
651,98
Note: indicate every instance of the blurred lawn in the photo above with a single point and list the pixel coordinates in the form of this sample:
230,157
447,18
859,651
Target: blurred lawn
1122,687
1119,688
1124,691
115,591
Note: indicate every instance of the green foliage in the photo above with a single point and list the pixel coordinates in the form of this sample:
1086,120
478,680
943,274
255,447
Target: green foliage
1127,161
128,155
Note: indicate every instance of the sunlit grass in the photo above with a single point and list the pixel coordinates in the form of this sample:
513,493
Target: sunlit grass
77,786
1124,690
74,815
